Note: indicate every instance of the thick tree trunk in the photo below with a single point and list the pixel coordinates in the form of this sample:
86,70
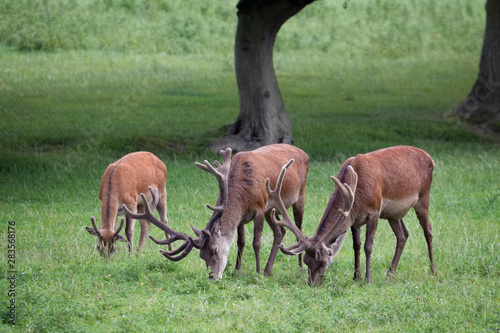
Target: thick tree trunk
481,108
262,118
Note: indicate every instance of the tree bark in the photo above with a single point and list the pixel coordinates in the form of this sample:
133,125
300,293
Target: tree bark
263,118
481,108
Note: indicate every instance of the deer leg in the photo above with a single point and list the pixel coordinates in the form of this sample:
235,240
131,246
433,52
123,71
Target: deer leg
279,233
129,232
257,235
298,214
145,224
371,228
162,211
356,244
423,218
399,229
241,245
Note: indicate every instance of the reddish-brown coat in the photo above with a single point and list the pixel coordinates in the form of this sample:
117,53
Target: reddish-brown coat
389,182
122,183
248,199
242,198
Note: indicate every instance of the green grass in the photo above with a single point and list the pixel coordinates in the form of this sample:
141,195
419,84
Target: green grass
65,115
386,28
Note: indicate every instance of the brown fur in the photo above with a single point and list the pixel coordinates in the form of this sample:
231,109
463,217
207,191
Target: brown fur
390,182
122,183
248,198
243,198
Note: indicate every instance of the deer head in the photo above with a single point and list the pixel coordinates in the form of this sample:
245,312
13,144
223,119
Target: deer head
214,244
318,260
319,252
215,252
106,244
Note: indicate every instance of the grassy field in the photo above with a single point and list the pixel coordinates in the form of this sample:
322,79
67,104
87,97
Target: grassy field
376,75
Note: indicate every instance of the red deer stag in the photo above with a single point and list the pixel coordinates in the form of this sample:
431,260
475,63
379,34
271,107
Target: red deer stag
385,183
242,198
122,184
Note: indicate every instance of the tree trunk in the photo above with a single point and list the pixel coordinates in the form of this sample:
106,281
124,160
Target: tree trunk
262,118
481,108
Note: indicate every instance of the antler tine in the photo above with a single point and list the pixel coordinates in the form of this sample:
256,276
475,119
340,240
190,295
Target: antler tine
221,173
119,228
167,241
347,193
156,197
226,159
179,250
201,240
287,221
187,247
206,166
97,230
215,208
294,249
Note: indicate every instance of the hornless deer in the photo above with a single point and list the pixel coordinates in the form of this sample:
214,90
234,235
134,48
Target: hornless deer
384,184
242,198
122,183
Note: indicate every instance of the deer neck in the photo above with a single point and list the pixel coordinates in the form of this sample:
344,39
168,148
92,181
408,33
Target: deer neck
109,210
229,222
330,216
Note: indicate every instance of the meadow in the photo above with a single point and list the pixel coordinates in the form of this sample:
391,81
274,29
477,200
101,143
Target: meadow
84,82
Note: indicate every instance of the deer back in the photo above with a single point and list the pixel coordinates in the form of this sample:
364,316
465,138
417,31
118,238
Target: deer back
391,181
249,170
124,181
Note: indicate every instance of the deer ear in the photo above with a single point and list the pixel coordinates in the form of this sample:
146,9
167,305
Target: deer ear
121,238
318,255
92,231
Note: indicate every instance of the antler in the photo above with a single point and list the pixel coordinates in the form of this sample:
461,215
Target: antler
98,231
148,212
221,173
122,220
174,235
186,248
347,193
287,222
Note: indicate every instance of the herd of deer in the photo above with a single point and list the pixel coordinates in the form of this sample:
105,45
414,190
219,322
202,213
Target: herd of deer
258,184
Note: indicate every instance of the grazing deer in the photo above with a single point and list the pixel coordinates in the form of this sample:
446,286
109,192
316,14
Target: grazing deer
122,184
242,198
384,184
